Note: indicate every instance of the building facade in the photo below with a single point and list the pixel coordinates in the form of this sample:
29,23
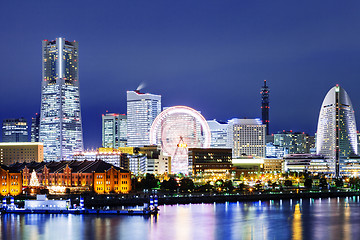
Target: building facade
11,153
114,130
142,109
60,119
10,181
265,108
247,137
219,134
336,137
210,160
35,128
295,142
15,130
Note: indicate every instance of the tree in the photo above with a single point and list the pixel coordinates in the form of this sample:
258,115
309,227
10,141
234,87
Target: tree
323,183
149,182
186,185
288,183
169,185
339,182
308,183
228,186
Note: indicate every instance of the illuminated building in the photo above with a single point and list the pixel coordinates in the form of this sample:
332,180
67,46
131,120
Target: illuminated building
21,152
265,106
114,130
246,137
336,137
60,119
77,176
295,142
273,165
35,128
218,132
142,109
207,161
273,151
15,130
137,163
310,163
247,166
10,181
108,155
175,130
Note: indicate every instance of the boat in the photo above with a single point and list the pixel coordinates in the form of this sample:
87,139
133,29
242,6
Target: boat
42,205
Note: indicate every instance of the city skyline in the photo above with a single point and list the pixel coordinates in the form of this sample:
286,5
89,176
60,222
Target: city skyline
196,58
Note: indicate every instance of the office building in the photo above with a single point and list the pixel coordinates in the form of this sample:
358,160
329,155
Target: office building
273,165
114,130
35,128
310,163
218,132
15,130
142,109
21,152
294,142
208,161
274,151
246,137
336,137
60,119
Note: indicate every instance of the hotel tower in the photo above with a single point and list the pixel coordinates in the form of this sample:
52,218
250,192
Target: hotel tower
336,132
60,120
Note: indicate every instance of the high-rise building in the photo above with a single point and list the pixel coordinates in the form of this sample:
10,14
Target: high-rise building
60,119
35,127
265,106
246,137
295,142
114,130
336,137
142,109
21,152
15,130
218,132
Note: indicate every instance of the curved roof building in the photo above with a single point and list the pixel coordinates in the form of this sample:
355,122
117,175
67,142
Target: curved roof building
336,131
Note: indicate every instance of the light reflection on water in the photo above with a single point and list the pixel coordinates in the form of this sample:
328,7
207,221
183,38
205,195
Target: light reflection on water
335,218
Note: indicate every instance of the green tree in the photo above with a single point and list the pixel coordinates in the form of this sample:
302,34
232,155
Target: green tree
186,185
339,182
323,183
308,183
288,183
169,185
149,182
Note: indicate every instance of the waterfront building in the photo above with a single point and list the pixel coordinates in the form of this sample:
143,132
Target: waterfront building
142,109
295,142
265,108
310,163
246,137
10,181
274,151
60,119
273,165
137,163
114,130
219,133
209,161
245,166
15,130
21,152
35,128
108,155
76,176
336,137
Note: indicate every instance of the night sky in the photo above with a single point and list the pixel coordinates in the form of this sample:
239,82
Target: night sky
209,55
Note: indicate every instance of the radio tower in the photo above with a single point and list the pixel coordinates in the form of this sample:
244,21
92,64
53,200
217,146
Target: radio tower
265,106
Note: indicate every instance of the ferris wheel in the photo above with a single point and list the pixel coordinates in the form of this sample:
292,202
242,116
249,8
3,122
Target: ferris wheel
176,129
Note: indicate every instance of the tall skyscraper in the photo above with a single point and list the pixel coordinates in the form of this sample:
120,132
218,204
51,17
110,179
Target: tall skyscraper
114,130
265,106
15,130
35,127
142,109
246,137
336,137
60,120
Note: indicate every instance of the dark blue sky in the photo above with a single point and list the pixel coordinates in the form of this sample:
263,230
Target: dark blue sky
209,55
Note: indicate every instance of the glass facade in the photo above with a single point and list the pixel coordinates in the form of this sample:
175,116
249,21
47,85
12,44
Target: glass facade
35,127
142,110
336,133
114,130
15,130
60,119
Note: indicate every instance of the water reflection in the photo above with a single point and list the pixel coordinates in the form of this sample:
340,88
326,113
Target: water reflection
335,218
